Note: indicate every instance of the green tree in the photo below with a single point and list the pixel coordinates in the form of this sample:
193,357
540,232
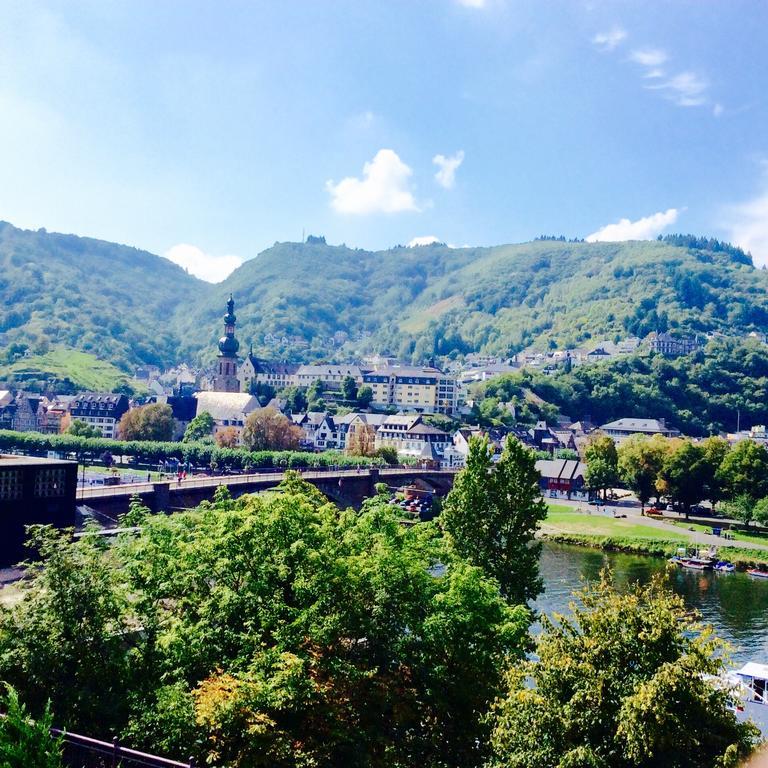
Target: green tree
201,426
741,508
760,513
623,682
262,391
602,461
148,422
295,399
640,462
80,428
364,396
715,450
744,471
26,742
65,641
684,475
492,513
315,395
349,389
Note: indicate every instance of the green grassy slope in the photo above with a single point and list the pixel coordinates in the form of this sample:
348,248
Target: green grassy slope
60,366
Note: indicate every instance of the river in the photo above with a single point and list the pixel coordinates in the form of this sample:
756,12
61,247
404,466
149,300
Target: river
735,604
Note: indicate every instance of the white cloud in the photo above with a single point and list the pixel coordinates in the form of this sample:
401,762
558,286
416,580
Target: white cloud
649,57
423,240
212,269
472,3
384,187
747,224
643,229
446,176
717,110
686,89
607,41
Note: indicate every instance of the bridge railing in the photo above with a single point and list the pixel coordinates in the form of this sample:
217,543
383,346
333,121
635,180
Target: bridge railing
128,489
84,752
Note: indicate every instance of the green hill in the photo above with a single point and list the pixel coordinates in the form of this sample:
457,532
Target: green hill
309,301
109,300
435,300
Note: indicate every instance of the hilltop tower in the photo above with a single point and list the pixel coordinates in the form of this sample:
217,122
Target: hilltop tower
226,379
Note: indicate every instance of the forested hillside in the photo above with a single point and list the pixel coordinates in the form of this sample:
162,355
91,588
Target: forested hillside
436,300
110,300
712,390
309,301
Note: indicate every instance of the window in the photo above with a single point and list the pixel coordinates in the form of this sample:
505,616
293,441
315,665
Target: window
10,484
49,483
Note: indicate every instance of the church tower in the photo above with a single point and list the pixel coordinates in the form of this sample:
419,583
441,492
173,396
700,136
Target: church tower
226,379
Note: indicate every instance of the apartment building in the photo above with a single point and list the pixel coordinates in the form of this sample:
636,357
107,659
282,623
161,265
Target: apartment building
423,390
102,410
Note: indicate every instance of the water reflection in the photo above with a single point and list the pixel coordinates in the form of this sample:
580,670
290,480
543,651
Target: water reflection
735,604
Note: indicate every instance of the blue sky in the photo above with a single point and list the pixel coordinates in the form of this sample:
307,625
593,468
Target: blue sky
209,130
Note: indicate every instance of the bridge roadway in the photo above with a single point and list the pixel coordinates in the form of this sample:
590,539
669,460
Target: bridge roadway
347,487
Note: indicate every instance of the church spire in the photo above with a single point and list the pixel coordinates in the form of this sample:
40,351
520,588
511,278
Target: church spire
226,376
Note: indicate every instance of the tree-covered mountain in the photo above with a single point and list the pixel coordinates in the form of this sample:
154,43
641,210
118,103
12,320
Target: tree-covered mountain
310,300
436,300
110,300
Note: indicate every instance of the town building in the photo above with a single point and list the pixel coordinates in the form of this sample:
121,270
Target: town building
562,478
409,435
225,378
228,409
102,410
623,428
673,346
330,375
33,491
256,371
423,390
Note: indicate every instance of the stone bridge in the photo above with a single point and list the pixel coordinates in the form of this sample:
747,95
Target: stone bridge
348,488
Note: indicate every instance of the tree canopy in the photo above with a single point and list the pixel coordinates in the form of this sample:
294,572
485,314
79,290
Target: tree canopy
623,682
492,513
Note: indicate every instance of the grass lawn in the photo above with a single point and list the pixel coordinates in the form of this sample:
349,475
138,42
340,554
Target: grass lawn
85,370
754,537
563,519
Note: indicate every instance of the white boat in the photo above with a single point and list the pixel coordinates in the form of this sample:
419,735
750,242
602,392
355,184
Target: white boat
749,689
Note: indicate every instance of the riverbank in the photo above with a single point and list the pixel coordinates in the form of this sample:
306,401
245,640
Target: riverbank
741,557
639,536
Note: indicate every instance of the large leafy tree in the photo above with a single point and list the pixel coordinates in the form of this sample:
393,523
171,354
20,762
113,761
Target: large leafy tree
148,422
492,513
201,426
270,430
623,682
684,475
744,471
602,461
639,464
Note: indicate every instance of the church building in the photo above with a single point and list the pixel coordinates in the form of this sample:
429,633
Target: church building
226,379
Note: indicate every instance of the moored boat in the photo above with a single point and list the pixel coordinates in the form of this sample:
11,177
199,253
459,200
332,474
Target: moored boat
757,573
723,566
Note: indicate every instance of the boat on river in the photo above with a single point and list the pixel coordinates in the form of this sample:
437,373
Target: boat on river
757,573
723,566
749,691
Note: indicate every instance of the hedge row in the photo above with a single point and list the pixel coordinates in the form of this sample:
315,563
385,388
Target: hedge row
197,454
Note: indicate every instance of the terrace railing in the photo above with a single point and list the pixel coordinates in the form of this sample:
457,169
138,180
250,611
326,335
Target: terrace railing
84,752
